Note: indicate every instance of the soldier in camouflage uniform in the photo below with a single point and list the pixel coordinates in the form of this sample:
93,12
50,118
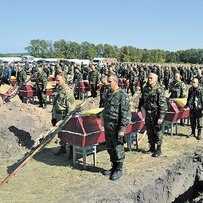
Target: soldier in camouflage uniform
63,103
21,75
195,103
154,103
21,78
132,77
116,117
103,91
200,76
93,81
177,88
41,87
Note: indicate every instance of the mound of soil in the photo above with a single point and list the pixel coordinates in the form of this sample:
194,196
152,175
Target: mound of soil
21,124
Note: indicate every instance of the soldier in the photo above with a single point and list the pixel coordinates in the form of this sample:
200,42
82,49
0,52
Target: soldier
132,77
6,74
93,81
21,75
116,117
63,103
41,87
177,88
195,103
167,77
103,91
21,78
1,73
154,103
200,76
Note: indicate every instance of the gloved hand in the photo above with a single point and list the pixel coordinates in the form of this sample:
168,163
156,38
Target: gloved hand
53,121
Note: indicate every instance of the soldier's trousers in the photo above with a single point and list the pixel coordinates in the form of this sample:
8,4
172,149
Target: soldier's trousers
196,118
154,131
114,145
94,90
42,97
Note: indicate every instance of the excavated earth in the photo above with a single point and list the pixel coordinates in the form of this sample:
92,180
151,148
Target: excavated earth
176,176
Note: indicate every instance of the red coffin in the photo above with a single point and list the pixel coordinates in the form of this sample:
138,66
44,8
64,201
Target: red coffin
49,92
26,91
174,112
137,123
85,131
82,131
82,87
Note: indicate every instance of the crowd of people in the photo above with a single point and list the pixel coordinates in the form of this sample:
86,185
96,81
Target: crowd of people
115,83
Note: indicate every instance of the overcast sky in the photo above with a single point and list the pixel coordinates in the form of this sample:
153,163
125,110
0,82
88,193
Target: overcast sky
152,24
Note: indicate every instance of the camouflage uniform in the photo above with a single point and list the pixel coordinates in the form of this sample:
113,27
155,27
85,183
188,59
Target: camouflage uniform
195,103
132,77
154,103
104,91
93,80
41,88
63,103
21,77
177,89
116,116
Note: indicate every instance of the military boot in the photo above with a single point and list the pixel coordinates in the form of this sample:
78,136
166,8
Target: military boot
199,136
62,150
157,153
192,134
118,172
110,171
151,149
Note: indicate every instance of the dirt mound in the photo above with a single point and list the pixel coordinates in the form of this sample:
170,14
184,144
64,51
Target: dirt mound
20,125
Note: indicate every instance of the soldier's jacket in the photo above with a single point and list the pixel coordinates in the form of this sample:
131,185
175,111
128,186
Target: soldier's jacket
117,110
200,79
132,77
177,89
104,91
94,77
167,74
195,98
42,81
153,99
21,77
64,101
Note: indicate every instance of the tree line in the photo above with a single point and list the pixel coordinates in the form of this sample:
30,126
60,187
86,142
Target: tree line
85,50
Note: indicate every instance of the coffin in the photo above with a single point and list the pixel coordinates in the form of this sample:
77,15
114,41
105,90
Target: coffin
27,91
175,112
136,124
49,92
82,87
172,114
82,130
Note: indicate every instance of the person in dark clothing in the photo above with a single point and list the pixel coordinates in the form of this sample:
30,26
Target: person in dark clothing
195,103
116,117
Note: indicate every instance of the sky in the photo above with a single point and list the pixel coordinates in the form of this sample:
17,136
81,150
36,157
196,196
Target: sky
146,24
